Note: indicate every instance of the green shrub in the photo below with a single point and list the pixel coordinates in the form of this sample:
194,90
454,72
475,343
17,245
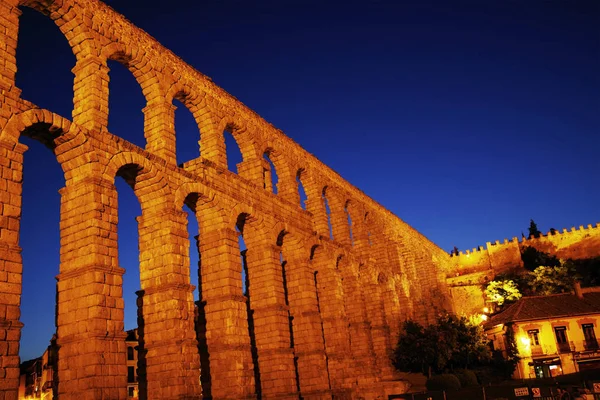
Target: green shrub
466,377
443,382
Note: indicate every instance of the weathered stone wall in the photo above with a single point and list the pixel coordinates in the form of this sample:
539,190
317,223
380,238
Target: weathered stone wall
575,244
473,269
324,323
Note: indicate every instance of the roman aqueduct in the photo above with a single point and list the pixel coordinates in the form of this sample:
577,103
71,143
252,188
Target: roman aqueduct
322,325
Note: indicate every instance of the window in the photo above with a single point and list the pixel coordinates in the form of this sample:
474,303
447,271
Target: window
590,337
131,390
130,374
561,339
561,334
130,353
533,336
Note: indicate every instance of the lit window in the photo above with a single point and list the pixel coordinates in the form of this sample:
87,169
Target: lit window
533,336
561,334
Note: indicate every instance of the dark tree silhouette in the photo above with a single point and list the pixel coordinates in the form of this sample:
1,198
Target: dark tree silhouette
533,229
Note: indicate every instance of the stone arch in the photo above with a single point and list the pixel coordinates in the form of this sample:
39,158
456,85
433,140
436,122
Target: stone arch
183,191
286,178
346,265
193,102
57,133
81,40
301,190
325,194
348,203
249,214
243,137
148,183
142,69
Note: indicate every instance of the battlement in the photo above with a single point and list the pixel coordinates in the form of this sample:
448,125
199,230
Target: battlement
532,239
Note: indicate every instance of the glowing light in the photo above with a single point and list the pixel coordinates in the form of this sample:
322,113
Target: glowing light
486,310
526,341
484,317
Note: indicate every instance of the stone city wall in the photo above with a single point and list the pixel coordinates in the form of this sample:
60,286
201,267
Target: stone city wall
344,294
574,244
473,269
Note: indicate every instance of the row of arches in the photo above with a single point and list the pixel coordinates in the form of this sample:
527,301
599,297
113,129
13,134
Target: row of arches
265,157
314,289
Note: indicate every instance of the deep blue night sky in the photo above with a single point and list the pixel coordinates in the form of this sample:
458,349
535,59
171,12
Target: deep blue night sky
464,118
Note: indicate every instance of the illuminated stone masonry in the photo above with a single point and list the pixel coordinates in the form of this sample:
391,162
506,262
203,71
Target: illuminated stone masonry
471,270
322,310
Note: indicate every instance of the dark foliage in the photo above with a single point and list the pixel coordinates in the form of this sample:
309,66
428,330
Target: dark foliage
533,229
443,382
533,258
466,377
453,342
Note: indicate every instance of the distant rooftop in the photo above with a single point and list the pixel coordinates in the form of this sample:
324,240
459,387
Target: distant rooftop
552,306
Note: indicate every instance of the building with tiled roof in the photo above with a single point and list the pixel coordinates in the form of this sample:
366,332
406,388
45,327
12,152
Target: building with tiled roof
554,334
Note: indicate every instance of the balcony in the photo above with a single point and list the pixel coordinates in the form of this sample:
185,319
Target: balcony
537,350
567,347
590,344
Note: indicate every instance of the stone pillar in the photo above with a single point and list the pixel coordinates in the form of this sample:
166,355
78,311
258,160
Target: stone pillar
90,335
380,331
267,176
252,170
231,366
212,142
360,328
172,360
9,29
287,188
159,129
391,307
271,322
339,217
360,235
309,346
11,267
335,325
90,93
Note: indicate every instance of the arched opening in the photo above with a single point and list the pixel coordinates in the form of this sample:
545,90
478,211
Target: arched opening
349,219
187,133
369,238
301,191
269,174
284,277
327,211
127,241
241,222
45,81
39,239
125,102
193,232
195,258
232,151
128,211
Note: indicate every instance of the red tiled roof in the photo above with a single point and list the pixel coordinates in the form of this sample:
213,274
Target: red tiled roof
545,307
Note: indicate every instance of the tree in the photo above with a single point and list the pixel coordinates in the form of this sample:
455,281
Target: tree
502,291
506,363
416,349
453,342
533,258
533,229
551,280
462,342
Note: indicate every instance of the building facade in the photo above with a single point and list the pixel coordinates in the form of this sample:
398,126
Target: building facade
554,334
